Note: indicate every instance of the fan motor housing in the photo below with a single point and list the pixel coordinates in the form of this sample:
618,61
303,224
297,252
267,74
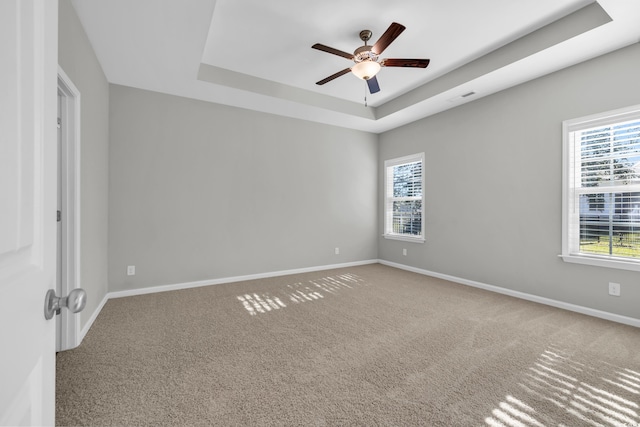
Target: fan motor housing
364,53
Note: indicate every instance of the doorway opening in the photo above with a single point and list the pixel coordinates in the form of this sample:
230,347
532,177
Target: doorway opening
68,333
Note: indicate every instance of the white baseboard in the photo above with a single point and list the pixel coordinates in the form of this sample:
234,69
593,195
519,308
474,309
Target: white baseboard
199,283
94,316
522,295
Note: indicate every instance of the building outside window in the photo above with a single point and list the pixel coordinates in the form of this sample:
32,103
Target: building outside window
404,198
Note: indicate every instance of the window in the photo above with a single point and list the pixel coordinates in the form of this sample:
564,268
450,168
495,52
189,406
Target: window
403,207
601,194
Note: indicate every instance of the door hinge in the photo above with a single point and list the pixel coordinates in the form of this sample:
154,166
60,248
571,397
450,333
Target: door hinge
59,122
59,216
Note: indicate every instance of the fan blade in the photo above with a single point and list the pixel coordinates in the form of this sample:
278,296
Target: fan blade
388,37
332,50
334,76
394,62
373,85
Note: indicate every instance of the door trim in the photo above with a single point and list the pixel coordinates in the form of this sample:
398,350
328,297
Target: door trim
70,332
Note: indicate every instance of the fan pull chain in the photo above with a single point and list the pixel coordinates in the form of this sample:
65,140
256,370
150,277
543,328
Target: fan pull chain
365,93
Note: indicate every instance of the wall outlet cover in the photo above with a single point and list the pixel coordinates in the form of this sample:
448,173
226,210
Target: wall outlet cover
614,289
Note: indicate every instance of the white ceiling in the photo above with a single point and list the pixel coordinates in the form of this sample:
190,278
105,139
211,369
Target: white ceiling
257,54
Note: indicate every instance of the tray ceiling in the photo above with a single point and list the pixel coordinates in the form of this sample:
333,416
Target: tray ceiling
257,55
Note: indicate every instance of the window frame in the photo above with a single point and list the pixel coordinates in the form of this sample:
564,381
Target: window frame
571,193
388,200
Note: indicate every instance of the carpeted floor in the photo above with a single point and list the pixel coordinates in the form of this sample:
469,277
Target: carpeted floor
362,346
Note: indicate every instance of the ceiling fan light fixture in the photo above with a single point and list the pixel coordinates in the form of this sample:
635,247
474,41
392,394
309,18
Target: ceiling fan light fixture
367,58
366,69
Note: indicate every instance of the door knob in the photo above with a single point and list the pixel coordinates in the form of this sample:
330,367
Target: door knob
75,302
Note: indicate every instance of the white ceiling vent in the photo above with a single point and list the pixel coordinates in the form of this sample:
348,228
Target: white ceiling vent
461,97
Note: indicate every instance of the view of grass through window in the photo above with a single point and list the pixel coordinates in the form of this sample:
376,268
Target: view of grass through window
620,245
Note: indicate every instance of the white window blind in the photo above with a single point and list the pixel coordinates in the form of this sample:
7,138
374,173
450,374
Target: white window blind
404,183
602,189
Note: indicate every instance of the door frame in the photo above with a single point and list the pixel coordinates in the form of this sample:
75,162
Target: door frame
69,333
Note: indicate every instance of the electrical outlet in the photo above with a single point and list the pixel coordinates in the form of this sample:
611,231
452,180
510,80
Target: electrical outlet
131,270
614,289
337,251
404,251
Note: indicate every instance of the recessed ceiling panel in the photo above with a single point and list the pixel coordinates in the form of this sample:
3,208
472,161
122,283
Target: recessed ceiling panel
272,40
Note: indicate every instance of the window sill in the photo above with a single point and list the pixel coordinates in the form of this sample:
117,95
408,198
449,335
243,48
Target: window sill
602,262
404,238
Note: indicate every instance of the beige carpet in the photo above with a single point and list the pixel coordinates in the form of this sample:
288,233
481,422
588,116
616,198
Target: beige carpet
365,346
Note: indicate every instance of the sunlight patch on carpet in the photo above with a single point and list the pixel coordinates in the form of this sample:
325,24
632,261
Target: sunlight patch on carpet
296,293
595,394
255,303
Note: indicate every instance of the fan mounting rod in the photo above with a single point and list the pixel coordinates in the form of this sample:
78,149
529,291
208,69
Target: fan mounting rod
365,36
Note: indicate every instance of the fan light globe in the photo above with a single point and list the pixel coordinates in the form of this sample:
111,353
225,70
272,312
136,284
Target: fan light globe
366,69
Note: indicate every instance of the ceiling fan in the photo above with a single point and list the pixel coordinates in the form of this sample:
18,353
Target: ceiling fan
367,58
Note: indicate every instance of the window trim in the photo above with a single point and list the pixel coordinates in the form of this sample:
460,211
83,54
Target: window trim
387,214
569,193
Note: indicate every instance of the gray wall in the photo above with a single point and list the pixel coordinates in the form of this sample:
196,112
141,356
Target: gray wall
202,191
494,182
77,59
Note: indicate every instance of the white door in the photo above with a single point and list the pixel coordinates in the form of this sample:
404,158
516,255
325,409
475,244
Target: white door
28,87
